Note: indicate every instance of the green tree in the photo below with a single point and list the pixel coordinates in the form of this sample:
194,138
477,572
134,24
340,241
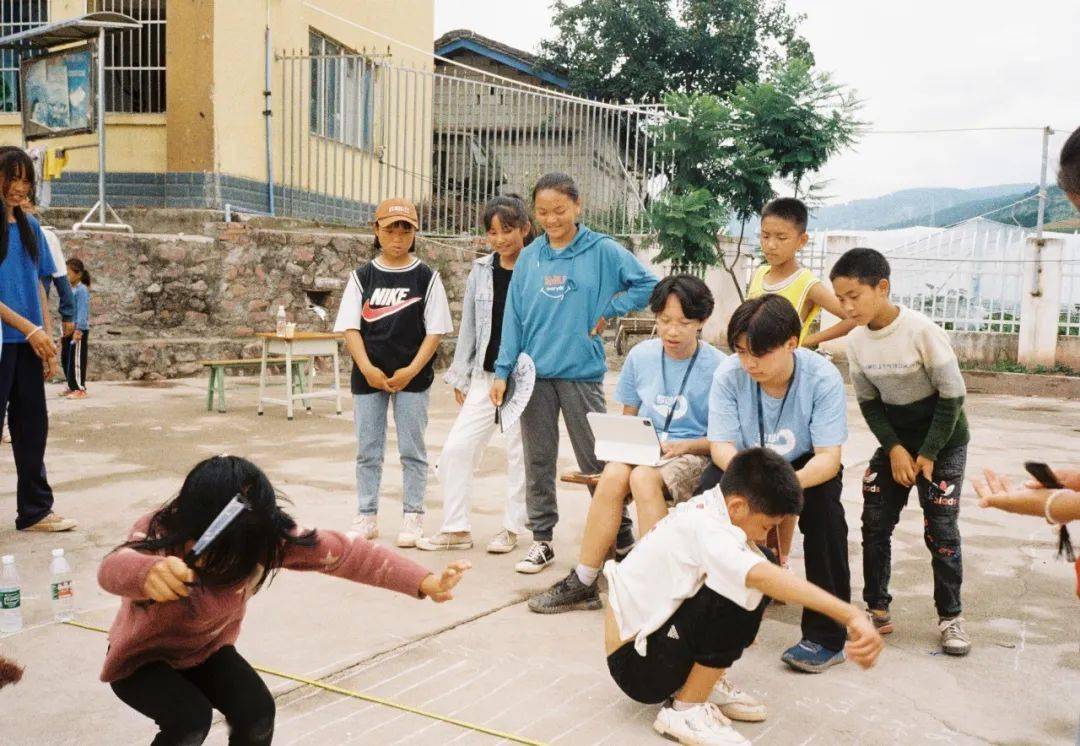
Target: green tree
634,50
735,148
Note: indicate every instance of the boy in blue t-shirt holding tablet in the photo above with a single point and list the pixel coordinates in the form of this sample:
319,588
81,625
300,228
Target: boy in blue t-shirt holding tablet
771,393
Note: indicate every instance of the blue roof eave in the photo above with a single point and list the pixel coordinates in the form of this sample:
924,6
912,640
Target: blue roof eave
472,45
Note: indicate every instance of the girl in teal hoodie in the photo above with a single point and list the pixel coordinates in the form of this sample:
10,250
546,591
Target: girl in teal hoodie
566,284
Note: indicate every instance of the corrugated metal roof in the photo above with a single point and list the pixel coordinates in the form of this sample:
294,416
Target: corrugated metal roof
71,31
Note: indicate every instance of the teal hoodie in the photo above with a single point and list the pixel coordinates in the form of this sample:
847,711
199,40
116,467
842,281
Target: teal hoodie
557,297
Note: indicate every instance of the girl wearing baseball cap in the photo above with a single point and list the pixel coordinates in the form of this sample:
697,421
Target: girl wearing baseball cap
393,313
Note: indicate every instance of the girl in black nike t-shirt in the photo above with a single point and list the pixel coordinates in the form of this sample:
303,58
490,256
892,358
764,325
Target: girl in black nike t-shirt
393,313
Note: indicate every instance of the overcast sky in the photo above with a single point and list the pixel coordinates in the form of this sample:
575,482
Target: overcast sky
925,64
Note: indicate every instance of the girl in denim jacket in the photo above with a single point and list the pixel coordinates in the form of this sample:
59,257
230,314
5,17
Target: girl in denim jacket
509,229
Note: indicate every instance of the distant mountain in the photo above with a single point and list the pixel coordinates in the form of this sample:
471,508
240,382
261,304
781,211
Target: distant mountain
907,207
999,208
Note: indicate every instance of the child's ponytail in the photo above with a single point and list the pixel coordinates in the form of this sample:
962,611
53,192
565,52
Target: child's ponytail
79,268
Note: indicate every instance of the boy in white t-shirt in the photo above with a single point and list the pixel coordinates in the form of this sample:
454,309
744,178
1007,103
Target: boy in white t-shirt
689,599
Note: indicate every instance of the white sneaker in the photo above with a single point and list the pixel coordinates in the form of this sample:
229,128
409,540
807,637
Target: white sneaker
703,725
444,540
412,529
954,640
539,556
504,541
737,704
366,525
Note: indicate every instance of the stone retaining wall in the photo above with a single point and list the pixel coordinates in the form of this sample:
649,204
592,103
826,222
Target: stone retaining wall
160,303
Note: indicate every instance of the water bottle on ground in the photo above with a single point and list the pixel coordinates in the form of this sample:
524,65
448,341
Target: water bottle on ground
281,321
61,591
10,596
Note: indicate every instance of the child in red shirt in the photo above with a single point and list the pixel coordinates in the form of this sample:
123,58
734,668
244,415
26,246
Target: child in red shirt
173,659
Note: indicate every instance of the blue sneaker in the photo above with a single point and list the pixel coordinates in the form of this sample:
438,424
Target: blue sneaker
811,657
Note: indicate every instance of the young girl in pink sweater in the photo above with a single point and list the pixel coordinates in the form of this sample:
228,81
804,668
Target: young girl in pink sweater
173,660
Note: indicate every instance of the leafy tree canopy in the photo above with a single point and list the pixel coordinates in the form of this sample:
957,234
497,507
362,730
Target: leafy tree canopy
634,50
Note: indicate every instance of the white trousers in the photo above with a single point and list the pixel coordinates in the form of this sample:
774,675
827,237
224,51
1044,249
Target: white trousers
472,431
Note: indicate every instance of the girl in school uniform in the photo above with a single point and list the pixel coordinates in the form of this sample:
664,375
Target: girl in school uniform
29,355
75,368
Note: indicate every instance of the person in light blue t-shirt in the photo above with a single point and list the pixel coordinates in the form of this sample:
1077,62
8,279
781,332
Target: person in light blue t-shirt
771,393
666,380
810,414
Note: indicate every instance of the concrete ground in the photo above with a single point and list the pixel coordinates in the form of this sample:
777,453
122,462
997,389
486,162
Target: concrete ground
484,658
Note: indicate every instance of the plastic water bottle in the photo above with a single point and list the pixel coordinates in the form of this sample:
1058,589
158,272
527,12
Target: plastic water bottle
281,321
10,596
60,589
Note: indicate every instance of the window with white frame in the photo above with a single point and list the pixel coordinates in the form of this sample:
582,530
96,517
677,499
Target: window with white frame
342,93
134,58
17,16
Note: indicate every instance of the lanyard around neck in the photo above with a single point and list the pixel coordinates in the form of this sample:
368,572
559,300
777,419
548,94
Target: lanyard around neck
780,414
682,386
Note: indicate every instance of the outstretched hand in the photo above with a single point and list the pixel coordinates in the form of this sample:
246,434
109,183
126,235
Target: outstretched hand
438,587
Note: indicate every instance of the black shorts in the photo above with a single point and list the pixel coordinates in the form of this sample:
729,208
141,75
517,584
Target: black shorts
707,629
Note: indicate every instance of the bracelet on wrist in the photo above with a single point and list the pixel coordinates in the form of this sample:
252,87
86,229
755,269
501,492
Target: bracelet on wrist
1049,506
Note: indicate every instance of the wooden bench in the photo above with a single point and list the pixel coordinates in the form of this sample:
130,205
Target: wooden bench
576,477
217,375
628,326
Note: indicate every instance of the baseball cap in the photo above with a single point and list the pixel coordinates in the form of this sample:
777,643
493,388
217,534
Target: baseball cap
393,210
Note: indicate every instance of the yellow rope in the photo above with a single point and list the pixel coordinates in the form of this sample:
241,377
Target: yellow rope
366,698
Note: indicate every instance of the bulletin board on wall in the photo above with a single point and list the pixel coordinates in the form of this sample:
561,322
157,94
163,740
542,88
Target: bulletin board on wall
59,93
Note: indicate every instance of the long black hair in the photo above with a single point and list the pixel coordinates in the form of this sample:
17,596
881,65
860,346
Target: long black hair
255,542
510,209
80,269
16,164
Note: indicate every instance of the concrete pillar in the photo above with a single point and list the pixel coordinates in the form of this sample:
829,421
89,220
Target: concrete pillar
1040,304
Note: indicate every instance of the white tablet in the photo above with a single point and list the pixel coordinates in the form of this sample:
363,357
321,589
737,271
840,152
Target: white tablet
626,439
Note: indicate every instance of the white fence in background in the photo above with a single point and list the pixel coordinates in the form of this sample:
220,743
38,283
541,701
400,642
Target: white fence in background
969,277
356,130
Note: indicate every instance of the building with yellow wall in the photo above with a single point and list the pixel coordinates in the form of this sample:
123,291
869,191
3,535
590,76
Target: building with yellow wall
185,105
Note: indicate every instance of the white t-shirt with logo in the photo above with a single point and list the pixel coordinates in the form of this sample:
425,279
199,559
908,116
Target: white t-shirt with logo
695,545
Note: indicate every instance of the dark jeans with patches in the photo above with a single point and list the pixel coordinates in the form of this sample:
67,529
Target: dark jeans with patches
884,498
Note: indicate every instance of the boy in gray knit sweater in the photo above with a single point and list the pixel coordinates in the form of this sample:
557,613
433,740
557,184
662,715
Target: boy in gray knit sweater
911,392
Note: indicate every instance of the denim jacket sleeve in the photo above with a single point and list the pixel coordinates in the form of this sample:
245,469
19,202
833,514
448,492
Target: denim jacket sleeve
459,375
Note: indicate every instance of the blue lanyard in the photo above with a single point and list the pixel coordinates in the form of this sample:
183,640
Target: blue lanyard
682,386
780,414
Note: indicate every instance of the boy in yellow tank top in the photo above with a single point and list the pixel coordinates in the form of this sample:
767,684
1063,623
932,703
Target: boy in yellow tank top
783,233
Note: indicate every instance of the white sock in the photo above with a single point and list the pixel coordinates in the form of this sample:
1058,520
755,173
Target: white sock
587,575
679,706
